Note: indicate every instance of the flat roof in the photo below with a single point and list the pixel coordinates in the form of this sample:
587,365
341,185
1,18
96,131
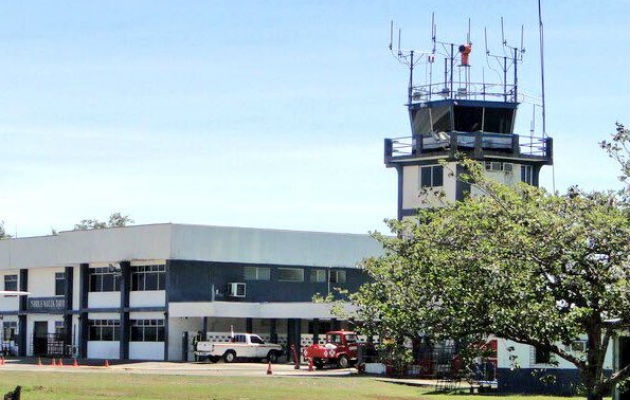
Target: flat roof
188,242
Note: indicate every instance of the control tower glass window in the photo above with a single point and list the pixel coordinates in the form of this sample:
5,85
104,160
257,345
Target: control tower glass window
468,119
421,121
422,118
498,120
441,117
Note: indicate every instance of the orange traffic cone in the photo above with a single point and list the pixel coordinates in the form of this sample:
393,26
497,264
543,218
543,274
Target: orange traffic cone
106,363
39,361
53,363
75,363
310,364
1,360
60,363
269,368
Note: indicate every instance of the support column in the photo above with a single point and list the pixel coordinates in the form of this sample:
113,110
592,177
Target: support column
316,331
273,331
249,325
67,317
204,329
84,287
294,333
22,310
125,288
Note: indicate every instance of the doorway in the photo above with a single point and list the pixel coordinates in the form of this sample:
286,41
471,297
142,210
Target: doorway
40,338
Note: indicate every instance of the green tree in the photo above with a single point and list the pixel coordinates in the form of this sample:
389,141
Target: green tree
3,232
525,265
116,220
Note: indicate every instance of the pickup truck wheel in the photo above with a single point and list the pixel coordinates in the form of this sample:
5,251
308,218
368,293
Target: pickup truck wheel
272,357
319,364
343,362
229,356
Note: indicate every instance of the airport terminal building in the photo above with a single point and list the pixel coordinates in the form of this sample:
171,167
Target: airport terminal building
142,292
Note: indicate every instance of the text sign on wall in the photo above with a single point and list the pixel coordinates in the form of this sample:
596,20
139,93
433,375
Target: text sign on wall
46,304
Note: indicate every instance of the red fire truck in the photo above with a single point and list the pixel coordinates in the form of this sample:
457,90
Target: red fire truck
340,349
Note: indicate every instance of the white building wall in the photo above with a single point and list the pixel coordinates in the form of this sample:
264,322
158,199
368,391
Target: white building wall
412,193
9,303
176,328
147,298
526,357
75,247
41,282
103,299
103,350
146,351
76,287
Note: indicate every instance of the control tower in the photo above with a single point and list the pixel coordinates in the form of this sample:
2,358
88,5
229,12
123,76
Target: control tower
455,117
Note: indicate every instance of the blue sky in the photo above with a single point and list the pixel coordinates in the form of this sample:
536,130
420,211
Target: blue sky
265,114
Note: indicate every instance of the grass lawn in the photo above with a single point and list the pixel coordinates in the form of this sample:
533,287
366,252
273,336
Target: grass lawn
68,385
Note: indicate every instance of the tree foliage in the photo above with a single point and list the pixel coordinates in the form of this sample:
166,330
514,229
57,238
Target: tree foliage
520,263
116,220
3,232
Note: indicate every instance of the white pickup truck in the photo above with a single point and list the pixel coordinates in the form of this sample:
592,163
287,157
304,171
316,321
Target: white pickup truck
242,345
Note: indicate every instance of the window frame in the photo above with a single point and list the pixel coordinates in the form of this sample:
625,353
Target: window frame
527,174
318,276
340,276
103,330
259,273
435,173
9,331
60,283
147,330
11,282
298,271
100,278
146,278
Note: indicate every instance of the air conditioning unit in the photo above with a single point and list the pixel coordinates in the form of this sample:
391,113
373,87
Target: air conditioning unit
237,289
507,168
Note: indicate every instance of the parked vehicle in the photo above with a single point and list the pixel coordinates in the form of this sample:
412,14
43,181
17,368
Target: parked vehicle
242,345
341,349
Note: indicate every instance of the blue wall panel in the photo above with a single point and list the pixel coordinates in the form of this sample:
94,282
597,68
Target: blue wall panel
194,280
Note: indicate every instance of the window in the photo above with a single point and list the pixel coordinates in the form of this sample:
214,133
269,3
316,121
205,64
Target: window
147,330
318,275
148,277
104,280
9,330
337,276
291,274
431,176
527,174
11,282
60,283
59,330
256,340
541,356
104,330
257,274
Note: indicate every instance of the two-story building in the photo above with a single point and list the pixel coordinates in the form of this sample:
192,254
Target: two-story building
141,292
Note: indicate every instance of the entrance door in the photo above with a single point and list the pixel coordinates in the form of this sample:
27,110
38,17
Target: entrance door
40,338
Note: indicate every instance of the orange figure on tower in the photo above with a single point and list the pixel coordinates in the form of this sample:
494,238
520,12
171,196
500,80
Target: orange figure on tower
465,49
